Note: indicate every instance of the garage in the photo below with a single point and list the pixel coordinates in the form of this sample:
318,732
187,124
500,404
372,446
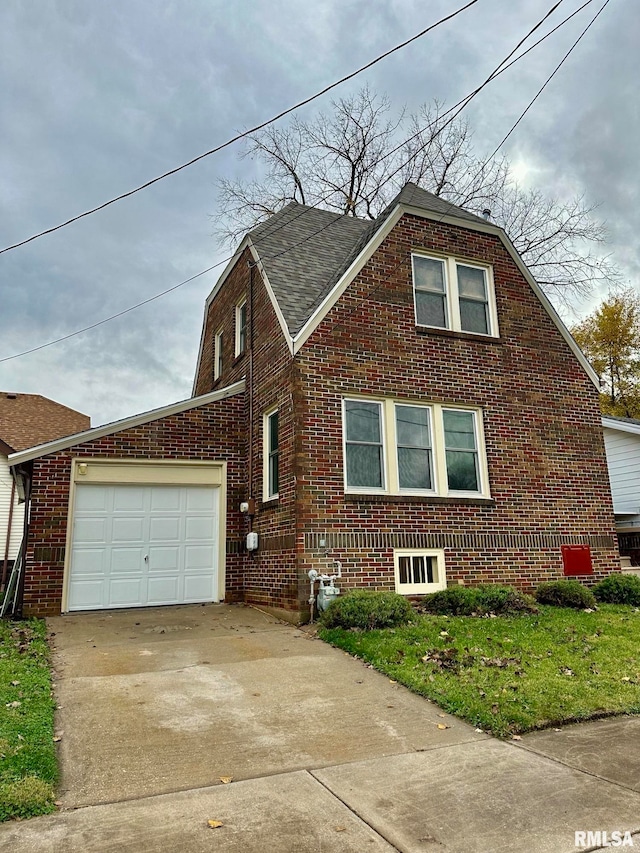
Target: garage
143,535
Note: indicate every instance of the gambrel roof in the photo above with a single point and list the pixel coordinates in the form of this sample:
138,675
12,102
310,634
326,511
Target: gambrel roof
308,257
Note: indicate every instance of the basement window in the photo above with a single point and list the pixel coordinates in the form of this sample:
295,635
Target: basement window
419,572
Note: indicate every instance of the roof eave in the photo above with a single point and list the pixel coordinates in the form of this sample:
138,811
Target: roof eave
126,423
620,426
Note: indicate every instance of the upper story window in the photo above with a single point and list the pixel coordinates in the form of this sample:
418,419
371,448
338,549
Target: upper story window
450,294
217,355
271,455
414,449
241,327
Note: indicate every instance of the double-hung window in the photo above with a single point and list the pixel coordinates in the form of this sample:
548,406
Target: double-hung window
364,444
402,448
271,473
217,355
241,327
451,294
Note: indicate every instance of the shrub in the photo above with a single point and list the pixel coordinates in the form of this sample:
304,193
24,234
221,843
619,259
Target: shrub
565,594
619,589
504,599
368,610
478,601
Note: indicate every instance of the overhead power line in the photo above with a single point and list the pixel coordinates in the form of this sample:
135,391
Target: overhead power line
242,135
464,101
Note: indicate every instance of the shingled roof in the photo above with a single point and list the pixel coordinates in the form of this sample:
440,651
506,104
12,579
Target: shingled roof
29,419
304,250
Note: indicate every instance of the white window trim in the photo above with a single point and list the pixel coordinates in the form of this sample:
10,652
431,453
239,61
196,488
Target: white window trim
266,435
366,490
239,307
419,588
452,297
217,353
390,473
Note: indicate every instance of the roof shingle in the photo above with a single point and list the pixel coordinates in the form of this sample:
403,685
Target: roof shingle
29,419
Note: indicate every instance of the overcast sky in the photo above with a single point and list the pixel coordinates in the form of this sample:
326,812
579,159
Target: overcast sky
96,98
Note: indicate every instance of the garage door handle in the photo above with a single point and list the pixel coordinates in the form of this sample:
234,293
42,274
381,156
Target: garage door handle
146,558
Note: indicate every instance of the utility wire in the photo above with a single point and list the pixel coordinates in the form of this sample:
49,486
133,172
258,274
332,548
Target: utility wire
463,101
242,135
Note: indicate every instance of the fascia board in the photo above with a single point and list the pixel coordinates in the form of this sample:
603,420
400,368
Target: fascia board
484,228
5,448
271,294
620,426
127,423
216,288
341,285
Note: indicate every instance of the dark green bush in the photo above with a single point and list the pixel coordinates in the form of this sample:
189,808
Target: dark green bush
565,594
619,589
368,610
478,601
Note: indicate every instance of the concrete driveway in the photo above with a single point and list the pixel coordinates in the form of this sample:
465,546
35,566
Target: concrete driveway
160,708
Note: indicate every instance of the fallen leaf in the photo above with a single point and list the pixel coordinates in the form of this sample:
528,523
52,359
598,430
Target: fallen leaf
625,678
442,715
15,704
444,633
340,828
516,737
57,739
479,731
391,681
226,779
15,683
443,726
214,824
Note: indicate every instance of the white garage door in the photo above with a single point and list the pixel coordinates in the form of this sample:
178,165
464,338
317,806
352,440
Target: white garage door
136,546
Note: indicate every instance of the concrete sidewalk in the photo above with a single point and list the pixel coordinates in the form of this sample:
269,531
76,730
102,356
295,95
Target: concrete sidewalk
325,754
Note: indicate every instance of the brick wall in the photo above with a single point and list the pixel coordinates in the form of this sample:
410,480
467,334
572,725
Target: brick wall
546,460
213,432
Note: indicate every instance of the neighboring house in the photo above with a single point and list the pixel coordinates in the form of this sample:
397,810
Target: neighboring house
25,420
622,446
397,395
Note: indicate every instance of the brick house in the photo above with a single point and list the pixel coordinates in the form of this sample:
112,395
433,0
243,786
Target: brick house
396,394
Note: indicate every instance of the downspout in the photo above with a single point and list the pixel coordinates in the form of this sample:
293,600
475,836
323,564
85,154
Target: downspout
25,538
5,565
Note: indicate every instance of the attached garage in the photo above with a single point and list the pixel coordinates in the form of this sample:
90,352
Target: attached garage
144,534
141,512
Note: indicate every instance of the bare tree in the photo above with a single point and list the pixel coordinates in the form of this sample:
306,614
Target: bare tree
355,159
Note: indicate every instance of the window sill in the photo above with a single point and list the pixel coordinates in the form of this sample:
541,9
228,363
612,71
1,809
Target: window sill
238,358
461,336
270,503
425,499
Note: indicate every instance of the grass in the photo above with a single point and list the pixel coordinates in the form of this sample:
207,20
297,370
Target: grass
508,675
28,768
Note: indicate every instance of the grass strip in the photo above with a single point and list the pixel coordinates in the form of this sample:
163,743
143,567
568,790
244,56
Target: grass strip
508,675
28,767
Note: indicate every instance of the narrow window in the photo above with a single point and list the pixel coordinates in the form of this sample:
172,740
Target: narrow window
461,450
363,439
273,455
413,437
217,355
473,298
241,327
429,283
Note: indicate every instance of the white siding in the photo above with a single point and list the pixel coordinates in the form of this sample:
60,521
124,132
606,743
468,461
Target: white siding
18,513
623,459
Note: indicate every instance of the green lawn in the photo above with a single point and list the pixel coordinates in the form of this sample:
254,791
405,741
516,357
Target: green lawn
28,769
507,675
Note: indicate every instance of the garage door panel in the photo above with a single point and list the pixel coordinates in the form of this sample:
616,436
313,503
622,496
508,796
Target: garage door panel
127,561
128,498
117,526
126,592
90,530
200,527
166,498
163,590
203,500
128,529
164,559
87,595
165,529
89,561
